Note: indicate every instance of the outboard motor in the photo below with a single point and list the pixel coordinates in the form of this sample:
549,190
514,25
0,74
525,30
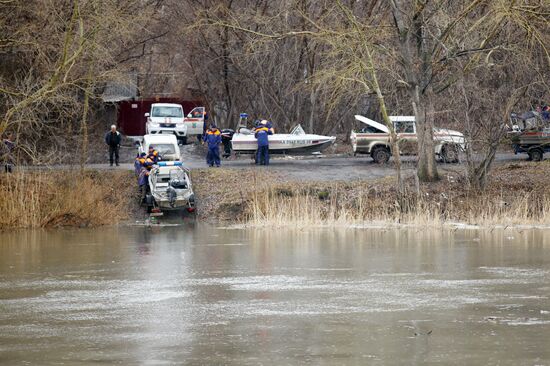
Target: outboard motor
172,196
227,135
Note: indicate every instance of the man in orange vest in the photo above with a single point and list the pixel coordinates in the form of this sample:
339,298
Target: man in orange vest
213,139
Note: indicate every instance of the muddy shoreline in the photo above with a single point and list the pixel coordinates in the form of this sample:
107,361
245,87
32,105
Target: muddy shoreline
516,195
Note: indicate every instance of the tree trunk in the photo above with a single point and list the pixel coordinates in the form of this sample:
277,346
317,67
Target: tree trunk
424,116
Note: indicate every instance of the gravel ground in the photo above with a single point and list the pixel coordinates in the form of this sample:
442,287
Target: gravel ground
341,167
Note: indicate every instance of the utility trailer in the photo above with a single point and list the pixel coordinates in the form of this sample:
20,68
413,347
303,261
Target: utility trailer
530,135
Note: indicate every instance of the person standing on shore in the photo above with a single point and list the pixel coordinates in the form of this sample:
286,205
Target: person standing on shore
143,178
113,139
262,135
213,139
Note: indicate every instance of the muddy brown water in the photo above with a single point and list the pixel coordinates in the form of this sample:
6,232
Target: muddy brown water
197,294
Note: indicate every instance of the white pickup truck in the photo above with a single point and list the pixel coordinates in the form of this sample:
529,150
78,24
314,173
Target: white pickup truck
168,118
167,146
374,139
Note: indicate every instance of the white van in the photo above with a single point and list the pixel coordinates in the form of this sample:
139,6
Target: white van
167,118
166,145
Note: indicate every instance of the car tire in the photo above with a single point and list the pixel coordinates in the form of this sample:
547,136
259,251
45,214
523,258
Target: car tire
182,140
381,155
449,154
536,154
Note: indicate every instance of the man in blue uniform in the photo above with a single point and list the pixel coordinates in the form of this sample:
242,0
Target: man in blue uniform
262,133
213,139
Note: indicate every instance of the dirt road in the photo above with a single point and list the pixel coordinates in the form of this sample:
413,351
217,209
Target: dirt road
310,168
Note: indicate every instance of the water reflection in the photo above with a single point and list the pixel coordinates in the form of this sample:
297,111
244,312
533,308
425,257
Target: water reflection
201,295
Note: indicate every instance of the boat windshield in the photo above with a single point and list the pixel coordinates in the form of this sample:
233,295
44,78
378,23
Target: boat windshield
166,111
298,130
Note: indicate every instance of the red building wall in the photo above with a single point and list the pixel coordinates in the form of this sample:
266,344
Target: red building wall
131,113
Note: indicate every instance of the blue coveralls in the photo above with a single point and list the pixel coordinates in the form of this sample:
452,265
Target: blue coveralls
143,182
138,163
213,139
154,155
262,156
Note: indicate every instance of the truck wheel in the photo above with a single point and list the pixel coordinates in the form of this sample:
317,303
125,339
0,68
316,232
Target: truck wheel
381,155
449,154
536,154
182,140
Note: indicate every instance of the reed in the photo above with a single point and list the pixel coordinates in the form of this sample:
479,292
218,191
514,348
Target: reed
63,198
342,204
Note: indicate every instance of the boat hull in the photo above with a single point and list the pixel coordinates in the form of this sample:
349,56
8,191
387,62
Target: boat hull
283,144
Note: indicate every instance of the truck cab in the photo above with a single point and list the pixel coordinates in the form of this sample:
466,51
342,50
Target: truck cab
167,118
374,139
166,145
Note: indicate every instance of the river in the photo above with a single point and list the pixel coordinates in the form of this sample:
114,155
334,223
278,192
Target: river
197,294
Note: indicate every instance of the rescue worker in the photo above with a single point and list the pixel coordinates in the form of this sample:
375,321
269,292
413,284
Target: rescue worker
269,126
261,134
113,139
143,178
153,154
213,139
227,135
139,162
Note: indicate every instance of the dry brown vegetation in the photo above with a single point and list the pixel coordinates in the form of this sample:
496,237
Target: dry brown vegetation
65,198
224,194
517,195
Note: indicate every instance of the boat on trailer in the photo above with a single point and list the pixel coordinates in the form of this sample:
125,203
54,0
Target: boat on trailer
297,142
170,188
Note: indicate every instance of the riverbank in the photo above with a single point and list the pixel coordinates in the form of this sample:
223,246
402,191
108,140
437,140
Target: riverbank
76,198
516,195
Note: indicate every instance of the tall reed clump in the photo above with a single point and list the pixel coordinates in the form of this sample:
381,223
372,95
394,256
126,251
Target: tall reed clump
342,204
63,198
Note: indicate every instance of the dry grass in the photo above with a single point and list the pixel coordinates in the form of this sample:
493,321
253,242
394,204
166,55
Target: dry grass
517,195
64,198
223,194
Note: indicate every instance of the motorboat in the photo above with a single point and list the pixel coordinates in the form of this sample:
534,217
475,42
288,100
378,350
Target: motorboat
170,188
297,142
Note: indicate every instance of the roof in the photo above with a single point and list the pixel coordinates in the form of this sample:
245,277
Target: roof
166,105
116,91
160,139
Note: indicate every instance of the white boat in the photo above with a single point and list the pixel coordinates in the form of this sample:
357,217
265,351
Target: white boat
170,188
297,142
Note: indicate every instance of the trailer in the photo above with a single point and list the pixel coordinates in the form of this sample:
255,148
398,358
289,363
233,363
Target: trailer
530,134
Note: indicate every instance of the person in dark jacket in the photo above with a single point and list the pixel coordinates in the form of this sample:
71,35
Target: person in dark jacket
143,178
227,135
113,139
139,163
213,139
262,135
154,155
